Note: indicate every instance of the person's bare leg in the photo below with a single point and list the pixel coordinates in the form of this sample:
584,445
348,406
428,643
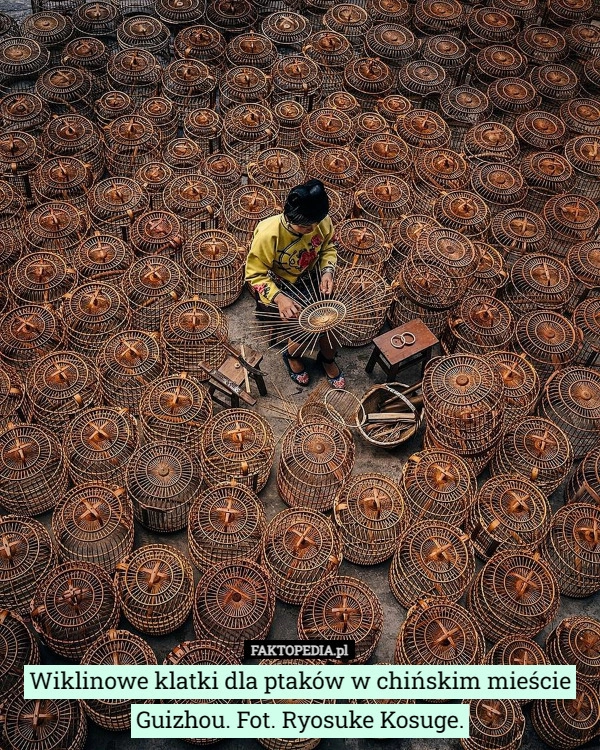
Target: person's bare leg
329,352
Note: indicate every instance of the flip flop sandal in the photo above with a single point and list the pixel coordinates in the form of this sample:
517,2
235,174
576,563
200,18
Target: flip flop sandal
339,381
301,378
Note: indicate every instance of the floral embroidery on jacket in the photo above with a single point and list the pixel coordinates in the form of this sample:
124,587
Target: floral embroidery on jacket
316,240
306,258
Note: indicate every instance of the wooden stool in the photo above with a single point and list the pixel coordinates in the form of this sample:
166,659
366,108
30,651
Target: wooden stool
402,347
233,371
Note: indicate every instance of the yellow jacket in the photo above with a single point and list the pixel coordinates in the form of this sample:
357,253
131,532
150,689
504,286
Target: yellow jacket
278,253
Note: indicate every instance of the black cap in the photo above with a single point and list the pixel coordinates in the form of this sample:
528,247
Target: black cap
307,203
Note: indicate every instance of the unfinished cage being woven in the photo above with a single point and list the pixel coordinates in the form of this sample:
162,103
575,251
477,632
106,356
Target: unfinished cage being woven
237,444
214,262
316,459
438,631
175,408
94,523
572,549
26,556
568,723
18,649
72,605
99,443
537,449
509,511
156,586
226,523
494,724
515,593
432,558
234,602
300,547
33,472
518,651
341,608
584,481
54,724
372,515
576,640
152,285
163,480
115,648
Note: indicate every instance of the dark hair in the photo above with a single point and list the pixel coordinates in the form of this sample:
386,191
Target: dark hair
307,203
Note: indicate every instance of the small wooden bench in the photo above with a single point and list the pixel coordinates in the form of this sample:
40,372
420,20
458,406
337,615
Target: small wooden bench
234,372
392,355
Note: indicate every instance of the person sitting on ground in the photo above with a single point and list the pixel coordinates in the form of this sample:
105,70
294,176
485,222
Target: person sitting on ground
285,249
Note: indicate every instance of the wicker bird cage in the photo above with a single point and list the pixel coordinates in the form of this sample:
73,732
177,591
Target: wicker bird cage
571,401
438,485
127,362
403,235
226,523
464,212
332,52
450,53
384,199
41,278
538,450
491,141
156,233
383,152
487,26
231,18
542,45
521,383
438,631
8,26
164,117
583,153
93,523
448,249
54,226
299,78
431,559
101,257
433,18
91,312
20,155
368,79
12,394
369,123
54,724
74,135
498,61
494,724
194,653
114,203
277,169
50,30
202,43
325,127
572,218
194,330
581,487
99,19
586,318
341,607
195,200
518,233
289,31
177,14
21,61
575,641
64,179
214,263
152,285
146,32
245,207
224,170
156,587
163,480
67,89
136,72
28,332
479,325
509,511
189,85
130,142
361,287
24,111
567,724
423,130
539,130
234,602
546,174
372,515
74,604
389,11
518,651
393,43
115,648
500,185
563,13
58,386
204,126
113,104
362,243
423,82
342,101
583,41
33,475
175,409
300,548
257,51
572,549
99,443
548,340
581,116
462,107
248,129
538,282
237,444
10,250
515,593
583,262
351,20
316,459
153,177
19,648
555,84
28,554
524,10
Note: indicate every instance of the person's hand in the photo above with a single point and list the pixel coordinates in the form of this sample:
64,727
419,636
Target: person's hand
326,285
288,309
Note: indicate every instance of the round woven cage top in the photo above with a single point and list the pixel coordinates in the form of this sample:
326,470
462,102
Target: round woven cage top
134,67
18,649
349,19
63,177
499,61
92,310
249,204
389,11
118,648
295,75
438,631
53,723
143,31
102,256
100,435
392,106
368,78
286,29
113,104
231,17
525,10
547,172
521,382
586,317
344,101
27,451
153,279
547,337
40,278
130,356
48,28
392,42
583,39
60,383
465,104
446,50
573,395
55,225
517,650
576,640
541,44
19,149
113,198
24,111
483,322
581,115
199,42
491,141
317,450
464,212
432,16
324,126
571,216
193,653
384,196
573,547
381,152
542,280
252,49
21,57
163,474
422,128
102,19
520,231
156,232
27,329
583,152
191,322
492,25
500,722
460,382
421,78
